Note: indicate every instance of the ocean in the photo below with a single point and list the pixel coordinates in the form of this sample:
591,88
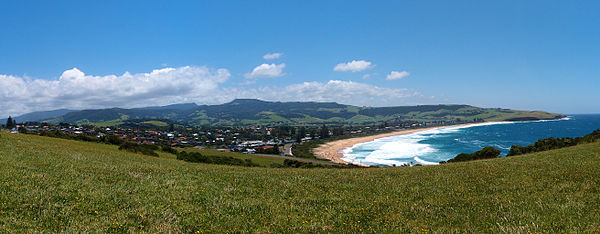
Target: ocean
433,146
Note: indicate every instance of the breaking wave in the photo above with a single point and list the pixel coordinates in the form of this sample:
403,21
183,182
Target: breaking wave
429,147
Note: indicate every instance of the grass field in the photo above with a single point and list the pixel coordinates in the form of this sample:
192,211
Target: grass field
54,185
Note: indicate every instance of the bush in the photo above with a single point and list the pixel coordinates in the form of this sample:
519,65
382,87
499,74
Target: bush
298,164
139,148
192,157
485,153
197,157
113,140
168,149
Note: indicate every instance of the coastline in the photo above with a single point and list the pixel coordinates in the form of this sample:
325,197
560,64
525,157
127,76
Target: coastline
333,151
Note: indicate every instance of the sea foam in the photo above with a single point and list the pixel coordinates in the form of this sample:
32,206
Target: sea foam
401,149
408,149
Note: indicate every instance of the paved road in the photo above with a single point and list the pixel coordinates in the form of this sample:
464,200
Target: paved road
287,149
299,159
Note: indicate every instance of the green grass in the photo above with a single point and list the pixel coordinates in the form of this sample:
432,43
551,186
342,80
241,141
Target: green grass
55,185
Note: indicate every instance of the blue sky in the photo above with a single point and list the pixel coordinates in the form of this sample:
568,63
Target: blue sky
535,55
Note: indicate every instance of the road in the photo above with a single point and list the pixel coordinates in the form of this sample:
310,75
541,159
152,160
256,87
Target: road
287,149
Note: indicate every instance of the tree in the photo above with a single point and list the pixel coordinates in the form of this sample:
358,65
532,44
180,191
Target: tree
324,132
301,133
9,123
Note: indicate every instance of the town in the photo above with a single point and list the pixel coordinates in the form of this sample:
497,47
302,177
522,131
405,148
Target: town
252,139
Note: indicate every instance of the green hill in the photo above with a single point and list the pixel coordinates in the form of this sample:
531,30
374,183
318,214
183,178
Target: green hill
55,185
246,112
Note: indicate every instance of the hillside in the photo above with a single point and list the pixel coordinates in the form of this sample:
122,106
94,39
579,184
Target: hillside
54,185
245,112
40,115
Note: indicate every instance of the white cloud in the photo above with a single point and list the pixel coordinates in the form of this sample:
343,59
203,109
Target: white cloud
354,66
347,92
368,76
395,75
273,56
266,71
76,90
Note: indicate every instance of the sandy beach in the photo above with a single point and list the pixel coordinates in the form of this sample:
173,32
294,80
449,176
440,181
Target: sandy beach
333,151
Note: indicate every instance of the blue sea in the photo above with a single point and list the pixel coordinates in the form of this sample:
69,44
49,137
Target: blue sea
440,144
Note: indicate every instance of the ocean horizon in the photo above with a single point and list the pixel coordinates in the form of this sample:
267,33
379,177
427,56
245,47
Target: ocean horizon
429,147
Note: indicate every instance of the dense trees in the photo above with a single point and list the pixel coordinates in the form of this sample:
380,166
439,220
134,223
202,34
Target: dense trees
485,153
11,123
324,132
268,150
139,148
197,157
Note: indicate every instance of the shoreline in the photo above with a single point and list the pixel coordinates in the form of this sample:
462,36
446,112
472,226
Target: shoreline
333,151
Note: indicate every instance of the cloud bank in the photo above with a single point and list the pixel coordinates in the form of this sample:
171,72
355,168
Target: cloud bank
266,71
76,90
346,92
354,66
395,75
202,85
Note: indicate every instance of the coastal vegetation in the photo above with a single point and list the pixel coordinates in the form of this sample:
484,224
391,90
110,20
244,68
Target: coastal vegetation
485,153
58,185
553,143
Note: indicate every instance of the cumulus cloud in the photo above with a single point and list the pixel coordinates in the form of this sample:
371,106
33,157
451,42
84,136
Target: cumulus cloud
347,92
76,90
354,66
202,85
395,75
266,71
273,56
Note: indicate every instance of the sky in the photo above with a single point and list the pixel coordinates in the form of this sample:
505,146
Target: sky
527,55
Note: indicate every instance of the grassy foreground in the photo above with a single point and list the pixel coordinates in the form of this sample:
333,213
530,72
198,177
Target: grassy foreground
52,185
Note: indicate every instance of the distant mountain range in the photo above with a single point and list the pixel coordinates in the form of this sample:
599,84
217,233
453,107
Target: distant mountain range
39,115
247,112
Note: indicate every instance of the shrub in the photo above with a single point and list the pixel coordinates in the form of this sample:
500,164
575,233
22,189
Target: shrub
168,149
298,164
139,148
113,140
192,157
197,157
485,153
